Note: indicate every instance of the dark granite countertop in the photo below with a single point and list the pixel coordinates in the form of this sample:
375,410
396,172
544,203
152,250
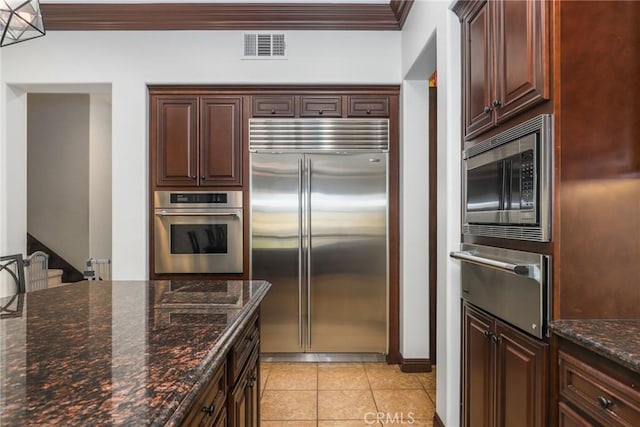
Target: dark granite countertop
615,339
116,353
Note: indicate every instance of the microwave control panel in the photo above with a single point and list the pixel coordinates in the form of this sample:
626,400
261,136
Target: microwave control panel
527,179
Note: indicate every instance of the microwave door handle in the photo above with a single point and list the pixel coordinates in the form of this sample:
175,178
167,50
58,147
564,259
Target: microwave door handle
525,270
506,185
196,213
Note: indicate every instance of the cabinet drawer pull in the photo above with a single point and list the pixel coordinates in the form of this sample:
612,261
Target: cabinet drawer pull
604,402
273,111
368,111
321,112
211,409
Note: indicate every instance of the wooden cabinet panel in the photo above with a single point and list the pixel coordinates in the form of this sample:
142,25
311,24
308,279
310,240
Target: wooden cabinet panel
176,141
477,51
504,374
321,106
244,402
521,377
220,141
602,397
477,371
368,106
505,60
210,404
567,417
273,106
243,348
522,56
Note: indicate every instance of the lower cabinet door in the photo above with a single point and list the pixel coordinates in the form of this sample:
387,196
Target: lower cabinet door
243,410
521,379
477,369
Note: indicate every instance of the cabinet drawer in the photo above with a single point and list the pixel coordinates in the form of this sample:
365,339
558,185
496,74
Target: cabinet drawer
567,417
273,106
321,106
243,347
368,106
601,396
210,403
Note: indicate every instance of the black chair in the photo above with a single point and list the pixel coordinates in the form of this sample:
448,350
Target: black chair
13,267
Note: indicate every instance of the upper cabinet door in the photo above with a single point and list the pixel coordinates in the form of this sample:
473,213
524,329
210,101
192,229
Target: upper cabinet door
273,106
320,106
477,51
176,141
220,141
522,57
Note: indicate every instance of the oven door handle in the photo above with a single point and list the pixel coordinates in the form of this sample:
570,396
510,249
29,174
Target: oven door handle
526,270
164,213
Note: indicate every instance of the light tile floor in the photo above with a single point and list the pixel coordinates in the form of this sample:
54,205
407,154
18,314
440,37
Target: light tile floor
345,395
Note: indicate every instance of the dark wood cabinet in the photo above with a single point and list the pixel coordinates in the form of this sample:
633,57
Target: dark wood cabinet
209,407
220,141
243,405
274,106
503,375
368,106
176,121
232,397
198,141
320,106
593,390
505,60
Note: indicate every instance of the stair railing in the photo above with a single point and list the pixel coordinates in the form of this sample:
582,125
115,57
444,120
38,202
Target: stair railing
37,269
98,269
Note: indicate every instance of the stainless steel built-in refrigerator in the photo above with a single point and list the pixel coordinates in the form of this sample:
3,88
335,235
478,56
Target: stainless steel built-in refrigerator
319,233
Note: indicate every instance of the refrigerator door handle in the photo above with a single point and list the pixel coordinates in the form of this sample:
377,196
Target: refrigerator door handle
309,243
300,250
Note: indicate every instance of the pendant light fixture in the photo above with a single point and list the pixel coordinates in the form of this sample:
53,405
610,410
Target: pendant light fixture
20,20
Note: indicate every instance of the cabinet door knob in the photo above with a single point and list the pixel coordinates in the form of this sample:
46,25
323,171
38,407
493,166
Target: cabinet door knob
193,177
321,112
487,110
201,176
486,334
604,402
209,410
497,103
496,339
273,111
368,111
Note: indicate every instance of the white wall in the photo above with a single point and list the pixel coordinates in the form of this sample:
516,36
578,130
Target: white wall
58,174
431,27
414,222
130,60
100,176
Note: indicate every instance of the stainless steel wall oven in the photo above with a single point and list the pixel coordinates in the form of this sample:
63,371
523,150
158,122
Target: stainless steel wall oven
507,183
198,232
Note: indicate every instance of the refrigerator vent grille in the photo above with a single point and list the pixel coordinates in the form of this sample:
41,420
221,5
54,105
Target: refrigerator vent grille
319,134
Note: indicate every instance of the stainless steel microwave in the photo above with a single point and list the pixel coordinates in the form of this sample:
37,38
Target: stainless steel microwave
507,183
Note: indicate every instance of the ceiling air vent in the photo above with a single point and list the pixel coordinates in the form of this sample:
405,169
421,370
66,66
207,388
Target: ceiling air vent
264,46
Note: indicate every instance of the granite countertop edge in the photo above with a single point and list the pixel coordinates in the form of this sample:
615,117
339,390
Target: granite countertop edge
614,349
173,415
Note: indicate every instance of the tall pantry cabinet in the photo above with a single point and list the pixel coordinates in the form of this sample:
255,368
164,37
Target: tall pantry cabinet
579,61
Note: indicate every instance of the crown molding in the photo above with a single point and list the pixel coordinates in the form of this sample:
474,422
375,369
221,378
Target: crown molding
224,16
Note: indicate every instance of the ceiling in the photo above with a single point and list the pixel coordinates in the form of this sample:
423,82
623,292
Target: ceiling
86,15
